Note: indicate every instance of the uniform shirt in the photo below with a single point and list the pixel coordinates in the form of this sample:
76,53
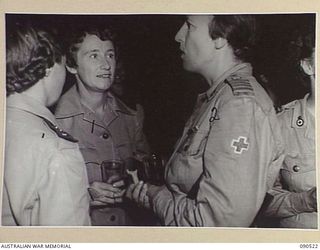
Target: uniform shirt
45,179
118,135
228,157
298,172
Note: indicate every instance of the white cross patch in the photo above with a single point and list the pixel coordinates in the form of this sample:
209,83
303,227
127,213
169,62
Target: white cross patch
240,144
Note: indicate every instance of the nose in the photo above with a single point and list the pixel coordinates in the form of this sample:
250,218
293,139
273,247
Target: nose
105,64
179,36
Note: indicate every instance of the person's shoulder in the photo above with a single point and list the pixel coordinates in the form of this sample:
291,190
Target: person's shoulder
241,86
30,127
246,87
26,131
289,106
286,110
26,123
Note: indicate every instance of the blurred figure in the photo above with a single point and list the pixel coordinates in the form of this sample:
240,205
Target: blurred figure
293,199
231,150
107,129
45,179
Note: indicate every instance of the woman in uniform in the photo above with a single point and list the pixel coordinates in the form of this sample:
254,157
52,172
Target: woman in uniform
293,198
45,179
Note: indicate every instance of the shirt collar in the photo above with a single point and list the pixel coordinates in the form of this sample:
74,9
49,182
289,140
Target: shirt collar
242,69
117,105
30,105
75,107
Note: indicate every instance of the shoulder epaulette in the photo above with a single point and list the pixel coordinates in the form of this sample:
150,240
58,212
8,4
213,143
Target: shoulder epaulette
62,134
240,86
288,106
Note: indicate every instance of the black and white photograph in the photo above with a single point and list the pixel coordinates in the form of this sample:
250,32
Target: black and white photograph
160,120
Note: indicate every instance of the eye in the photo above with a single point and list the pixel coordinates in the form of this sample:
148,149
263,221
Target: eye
189,25
111,55
93,55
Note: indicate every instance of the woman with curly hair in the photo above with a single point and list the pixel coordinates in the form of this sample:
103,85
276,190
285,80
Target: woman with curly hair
45,178
106,127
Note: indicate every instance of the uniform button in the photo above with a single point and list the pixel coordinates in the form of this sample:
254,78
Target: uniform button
300,121
296,168
105,136
112,218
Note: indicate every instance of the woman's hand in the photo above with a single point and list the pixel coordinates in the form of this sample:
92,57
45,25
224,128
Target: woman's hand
104,193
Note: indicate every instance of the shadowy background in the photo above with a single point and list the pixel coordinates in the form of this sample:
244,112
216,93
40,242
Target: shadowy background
154,74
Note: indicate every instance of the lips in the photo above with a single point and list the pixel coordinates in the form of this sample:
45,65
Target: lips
182,52
106,75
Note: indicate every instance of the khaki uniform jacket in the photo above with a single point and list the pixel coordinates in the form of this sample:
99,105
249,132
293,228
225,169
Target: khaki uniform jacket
228,157
298,172
45,179
118,135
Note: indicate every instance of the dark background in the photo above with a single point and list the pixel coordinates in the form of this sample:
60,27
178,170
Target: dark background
154,74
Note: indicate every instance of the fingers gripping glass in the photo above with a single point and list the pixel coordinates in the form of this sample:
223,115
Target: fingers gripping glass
112,171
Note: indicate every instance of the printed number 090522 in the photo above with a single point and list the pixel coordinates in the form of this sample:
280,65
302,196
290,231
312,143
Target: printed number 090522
309,246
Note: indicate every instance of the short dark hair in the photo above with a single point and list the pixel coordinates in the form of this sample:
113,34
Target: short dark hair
308,44
238,30
29,52
77,36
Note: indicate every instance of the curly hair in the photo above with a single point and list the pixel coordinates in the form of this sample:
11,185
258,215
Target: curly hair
301,47
77,36
29,52
302,44
238,30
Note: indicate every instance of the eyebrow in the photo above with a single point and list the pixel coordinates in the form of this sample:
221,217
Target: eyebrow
188,20
90,51
97,50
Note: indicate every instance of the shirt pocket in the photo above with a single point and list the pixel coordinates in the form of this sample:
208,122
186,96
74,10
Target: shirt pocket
194,143
298,172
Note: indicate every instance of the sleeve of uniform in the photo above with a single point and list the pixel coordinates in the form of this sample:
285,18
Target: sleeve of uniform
235,171
284,203
63,196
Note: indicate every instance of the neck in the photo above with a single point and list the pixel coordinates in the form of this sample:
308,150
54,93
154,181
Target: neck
37,92
220,70
224,62
93,100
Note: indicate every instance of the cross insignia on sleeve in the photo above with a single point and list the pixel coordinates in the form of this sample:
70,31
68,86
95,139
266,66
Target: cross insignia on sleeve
240,144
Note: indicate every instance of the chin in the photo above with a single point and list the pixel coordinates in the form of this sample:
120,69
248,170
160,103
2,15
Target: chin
104,86
188,67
